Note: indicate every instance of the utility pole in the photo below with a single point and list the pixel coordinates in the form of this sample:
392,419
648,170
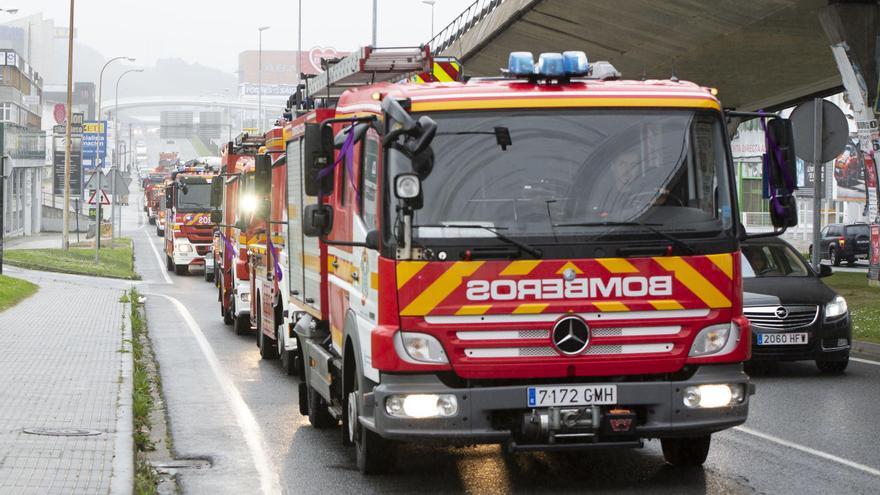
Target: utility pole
375,20
65,236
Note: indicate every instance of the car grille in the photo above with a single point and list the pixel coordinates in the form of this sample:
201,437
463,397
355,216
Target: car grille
795,317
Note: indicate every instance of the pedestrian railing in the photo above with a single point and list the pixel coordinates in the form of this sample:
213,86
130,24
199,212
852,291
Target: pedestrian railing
477,11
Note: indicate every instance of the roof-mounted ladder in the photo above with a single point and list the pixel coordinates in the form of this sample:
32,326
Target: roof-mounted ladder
369,65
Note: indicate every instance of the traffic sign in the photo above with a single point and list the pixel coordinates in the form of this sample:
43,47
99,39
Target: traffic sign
105,200
835,131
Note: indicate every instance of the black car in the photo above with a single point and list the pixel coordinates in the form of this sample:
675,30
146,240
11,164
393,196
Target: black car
845,242
794,315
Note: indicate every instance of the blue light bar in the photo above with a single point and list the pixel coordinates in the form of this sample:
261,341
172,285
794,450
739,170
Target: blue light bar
521,64
575,63
550,65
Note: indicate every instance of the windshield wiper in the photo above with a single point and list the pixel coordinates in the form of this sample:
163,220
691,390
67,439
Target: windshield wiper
536,252
647,226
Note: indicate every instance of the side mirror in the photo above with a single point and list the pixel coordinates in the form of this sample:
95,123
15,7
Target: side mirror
317,220
217,191
318,155
262,182
396,111
825,271
168,193
216,216
426,129
372,240
786,214
780,131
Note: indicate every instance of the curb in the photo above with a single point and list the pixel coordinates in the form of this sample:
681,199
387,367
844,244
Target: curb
867,348
122,477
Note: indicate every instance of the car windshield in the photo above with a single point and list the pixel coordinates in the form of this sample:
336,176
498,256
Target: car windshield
196,197
772,260
576,172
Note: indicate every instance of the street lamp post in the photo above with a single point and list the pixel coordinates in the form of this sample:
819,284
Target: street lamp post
260,80
101,79
431,3
113,208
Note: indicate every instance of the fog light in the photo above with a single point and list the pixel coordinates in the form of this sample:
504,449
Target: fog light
712,396
842,342
422,405
245,296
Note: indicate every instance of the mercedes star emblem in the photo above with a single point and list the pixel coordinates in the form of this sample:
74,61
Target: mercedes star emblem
571,335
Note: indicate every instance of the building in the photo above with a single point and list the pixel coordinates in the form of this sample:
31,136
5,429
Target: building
24,143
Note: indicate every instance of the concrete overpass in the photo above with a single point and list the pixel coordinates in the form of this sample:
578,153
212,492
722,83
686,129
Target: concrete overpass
759,53
186,101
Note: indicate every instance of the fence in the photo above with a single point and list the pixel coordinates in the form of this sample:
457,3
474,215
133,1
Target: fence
462,24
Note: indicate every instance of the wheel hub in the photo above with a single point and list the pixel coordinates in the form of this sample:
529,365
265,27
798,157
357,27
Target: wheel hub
352,416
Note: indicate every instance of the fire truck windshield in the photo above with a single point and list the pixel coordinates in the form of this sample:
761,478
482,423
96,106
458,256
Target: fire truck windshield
195,197
577,172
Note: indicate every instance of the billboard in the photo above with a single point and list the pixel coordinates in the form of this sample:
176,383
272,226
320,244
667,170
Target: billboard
280,66
94,144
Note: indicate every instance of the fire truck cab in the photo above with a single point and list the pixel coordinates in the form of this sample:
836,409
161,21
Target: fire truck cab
546,260
188,228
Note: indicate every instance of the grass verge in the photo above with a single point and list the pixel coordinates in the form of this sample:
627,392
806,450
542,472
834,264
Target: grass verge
114,262
13,290
146,479
863,301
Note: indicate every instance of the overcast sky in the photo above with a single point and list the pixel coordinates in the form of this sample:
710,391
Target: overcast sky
213,32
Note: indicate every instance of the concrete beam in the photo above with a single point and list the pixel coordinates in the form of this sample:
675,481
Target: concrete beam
855,24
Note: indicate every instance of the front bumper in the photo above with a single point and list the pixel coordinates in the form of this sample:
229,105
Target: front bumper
242,295
821,343
190,257
660,404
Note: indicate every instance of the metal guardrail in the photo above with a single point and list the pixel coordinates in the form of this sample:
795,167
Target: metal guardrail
462,24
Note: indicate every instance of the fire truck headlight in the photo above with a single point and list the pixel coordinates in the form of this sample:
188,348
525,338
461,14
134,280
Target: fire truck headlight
407,186
715,339
422,405
184,248
249,203
710,396
420,348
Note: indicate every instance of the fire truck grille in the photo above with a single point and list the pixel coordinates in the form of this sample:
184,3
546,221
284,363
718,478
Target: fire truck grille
203,250
782,317
592,350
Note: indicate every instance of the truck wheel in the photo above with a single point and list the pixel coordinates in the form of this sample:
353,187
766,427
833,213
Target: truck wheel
832,367
319,414
690,451
160,232
169,264
181,269
268,347
835,257
209,276
242,324
226,314
375,455
152,221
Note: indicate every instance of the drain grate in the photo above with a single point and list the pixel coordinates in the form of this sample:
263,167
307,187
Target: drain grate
62,432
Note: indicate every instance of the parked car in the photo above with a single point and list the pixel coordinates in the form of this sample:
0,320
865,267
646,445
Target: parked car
845,242
794,315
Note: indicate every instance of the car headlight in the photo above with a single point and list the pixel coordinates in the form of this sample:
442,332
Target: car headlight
420,348
836,307
715,339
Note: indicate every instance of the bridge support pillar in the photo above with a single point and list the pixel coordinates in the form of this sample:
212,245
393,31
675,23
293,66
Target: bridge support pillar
852,30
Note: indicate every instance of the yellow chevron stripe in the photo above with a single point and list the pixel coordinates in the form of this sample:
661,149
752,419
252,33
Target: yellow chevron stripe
407,269
441,288
530,309
724,262
687,275
617,265
520,267
441,74
567,266
666,304
473,309
611,306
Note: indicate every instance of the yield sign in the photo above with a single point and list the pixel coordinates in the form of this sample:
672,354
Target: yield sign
105,200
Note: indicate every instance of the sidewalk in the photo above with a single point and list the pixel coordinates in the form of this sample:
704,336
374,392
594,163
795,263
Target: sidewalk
65,389
42,240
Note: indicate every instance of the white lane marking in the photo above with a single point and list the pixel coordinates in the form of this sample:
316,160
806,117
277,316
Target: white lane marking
253,435
808,450
158,258
866,361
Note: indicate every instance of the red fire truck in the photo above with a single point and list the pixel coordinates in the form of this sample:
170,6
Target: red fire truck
236,200
188,228
547,260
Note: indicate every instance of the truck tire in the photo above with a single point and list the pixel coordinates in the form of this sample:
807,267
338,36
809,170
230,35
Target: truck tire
375,455
209,276
241,324
319,414
268,346
152,221
832,367
181,269
226,314
169,264
688,451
